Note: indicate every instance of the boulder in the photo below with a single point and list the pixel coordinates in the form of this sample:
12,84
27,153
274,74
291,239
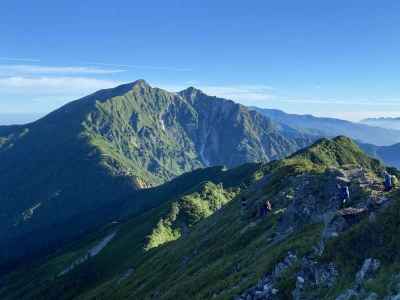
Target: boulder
368,270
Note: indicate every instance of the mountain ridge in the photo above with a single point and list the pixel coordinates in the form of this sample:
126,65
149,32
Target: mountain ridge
88,157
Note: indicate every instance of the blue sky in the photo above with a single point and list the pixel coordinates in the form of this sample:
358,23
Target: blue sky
328,58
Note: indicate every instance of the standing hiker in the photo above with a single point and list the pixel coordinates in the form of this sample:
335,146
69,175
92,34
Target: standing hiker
387,181
244,206
268,206
344,195
265,208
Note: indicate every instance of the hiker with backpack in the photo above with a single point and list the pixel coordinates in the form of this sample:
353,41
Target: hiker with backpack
265,208
344,195
243,206
387,181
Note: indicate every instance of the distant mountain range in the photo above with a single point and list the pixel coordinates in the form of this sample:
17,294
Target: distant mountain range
390,123
85,162
381,143
331,127
390,155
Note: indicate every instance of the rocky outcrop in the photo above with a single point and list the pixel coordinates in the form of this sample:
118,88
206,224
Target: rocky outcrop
312,201
311,275
367,271
140,183
265,288
394,288
314,276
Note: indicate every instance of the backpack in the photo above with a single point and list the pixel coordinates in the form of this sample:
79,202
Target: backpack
395,181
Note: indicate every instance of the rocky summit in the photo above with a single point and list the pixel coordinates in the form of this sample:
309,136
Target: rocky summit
216,238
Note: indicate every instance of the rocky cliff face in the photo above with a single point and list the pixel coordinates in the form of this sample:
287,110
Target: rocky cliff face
227,133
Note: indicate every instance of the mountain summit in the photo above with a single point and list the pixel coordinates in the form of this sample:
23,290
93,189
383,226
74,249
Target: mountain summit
81,163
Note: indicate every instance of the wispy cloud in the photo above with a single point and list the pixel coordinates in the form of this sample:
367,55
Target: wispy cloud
46,93
58,86
11,70
351,102
19,59
356,116
144,67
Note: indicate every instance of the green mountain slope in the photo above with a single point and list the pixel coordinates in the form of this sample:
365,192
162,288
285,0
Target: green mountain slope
206,246
83,164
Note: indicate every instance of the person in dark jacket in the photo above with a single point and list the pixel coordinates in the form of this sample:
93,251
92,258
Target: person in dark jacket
344,195
243,206
388,181
265,208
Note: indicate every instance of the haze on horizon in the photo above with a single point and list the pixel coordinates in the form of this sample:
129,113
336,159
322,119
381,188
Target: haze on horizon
337,59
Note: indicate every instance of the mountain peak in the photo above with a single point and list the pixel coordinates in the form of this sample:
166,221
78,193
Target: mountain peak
123,88
339,151
191,92
140,83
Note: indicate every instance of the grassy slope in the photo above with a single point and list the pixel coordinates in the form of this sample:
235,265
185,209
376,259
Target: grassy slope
52,163
131,234
222,255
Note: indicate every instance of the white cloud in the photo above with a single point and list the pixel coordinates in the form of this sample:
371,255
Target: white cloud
145,67
12,70
58,86
367,102
43,94
357,116
19,59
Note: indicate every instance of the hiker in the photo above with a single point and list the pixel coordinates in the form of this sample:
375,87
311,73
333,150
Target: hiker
344,195
387,181
265,208
244,206
268,206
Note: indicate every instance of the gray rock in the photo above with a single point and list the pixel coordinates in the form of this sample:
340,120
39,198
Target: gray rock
347,295
368,270
372,296
281,267
300,280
